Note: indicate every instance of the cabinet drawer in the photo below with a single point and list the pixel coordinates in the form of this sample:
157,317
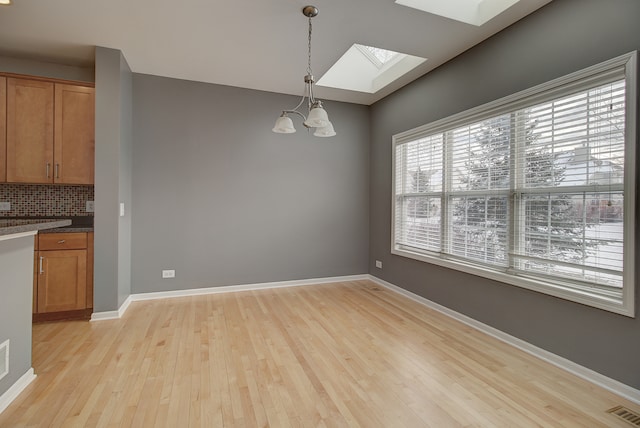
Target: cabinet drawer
62,241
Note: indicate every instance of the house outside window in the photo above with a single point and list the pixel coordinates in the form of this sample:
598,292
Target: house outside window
535,190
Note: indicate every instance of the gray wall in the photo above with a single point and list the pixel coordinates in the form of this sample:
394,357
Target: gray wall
16,289
125,180
112,180
223,200
563,37
46,69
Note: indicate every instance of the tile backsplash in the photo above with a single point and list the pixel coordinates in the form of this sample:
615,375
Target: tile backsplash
45,200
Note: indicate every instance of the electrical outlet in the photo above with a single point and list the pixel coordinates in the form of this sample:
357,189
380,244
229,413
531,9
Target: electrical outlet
169,273
90,206
121,209
5,206
378,264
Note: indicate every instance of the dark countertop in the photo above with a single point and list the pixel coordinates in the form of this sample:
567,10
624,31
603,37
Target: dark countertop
72,229
74,224
16,226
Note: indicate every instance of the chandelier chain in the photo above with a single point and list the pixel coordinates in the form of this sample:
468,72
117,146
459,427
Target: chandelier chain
309,57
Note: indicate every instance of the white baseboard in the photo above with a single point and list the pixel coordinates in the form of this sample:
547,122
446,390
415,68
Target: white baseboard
587,374
100,316
107,315
112,315
15,389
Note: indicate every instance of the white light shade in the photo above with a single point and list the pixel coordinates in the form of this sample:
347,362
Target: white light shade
317,117
284,125
325,131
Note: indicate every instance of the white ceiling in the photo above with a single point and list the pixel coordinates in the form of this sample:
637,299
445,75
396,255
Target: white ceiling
253,44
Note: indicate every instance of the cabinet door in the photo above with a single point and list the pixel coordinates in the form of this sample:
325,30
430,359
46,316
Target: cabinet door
29,131
62,283
3,129
74,134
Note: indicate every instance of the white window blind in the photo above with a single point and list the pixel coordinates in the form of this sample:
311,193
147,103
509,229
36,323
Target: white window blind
571,191
537,189
421,186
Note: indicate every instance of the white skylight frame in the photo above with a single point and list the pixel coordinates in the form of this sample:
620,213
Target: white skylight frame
368,69
474,12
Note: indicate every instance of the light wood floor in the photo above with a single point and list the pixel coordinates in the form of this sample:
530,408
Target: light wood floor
345,354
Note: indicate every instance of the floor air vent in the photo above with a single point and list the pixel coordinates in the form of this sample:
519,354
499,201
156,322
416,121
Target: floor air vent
626,415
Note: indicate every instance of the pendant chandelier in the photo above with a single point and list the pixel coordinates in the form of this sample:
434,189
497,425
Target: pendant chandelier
316,115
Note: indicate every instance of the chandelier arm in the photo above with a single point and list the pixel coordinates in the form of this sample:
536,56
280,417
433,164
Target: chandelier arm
296,112
300,103
312,99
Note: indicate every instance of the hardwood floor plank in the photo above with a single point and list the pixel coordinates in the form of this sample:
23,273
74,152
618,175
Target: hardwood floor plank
347,354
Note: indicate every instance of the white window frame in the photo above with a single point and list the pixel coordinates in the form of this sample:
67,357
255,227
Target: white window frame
622,66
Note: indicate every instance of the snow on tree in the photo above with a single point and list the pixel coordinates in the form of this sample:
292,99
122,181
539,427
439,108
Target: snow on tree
553,226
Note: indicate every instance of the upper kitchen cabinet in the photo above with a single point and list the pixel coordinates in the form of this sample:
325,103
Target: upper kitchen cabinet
50,132
3,129
74,134
29,131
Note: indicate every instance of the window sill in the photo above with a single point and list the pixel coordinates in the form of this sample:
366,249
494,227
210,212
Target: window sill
620,306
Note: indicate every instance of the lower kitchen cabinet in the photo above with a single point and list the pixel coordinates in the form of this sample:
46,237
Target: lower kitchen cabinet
62,281
64,274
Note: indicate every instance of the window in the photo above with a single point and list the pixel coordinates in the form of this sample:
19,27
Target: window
535,190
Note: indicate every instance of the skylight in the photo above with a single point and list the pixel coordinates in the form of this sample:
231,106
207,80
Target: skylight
368,69
475,12
379,57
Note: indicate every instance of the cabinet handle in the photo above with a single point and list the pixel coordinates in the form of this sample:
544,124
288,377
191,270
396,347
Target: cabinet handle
57,170
62,241
48,167
41,269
